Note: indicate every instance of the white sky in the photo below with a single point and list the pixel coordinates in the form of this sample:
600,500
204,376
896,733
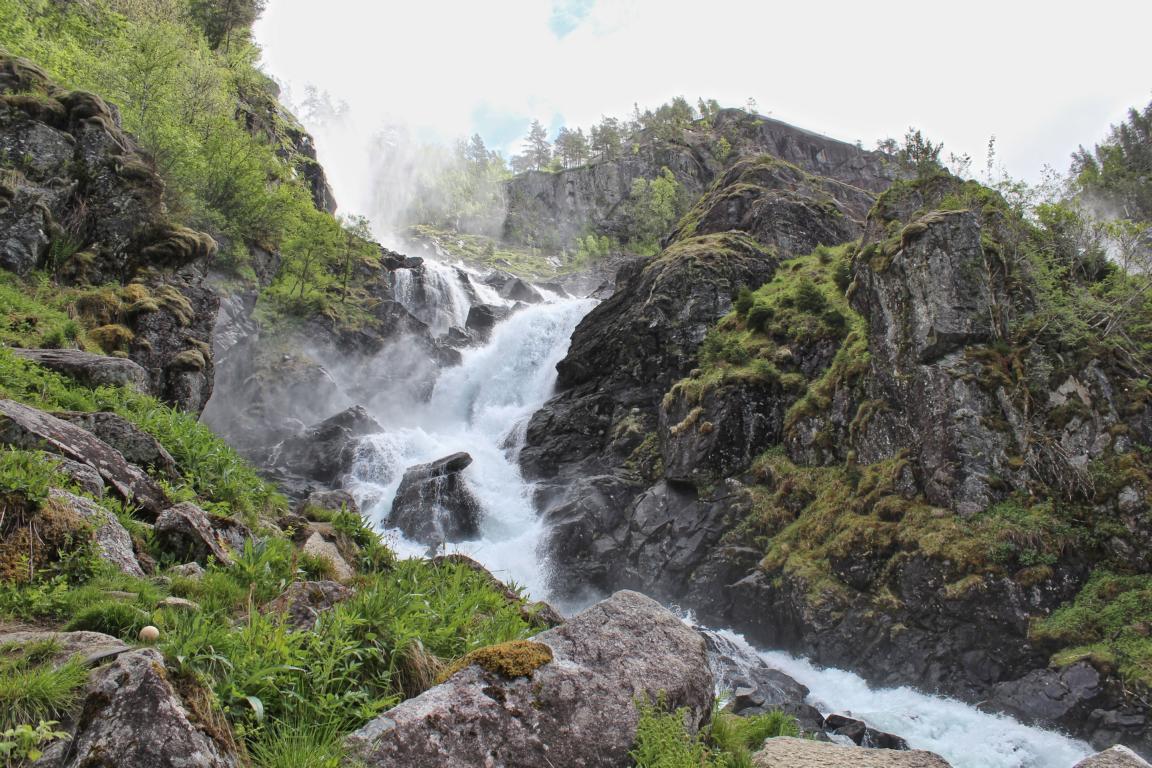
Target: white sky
1042,76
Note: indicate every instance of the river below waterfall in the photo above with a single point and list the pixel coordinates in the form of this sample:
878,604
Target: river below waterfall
482,406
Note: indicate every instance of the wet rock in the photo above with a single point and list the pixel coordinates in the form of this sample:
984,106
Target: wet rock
89,369
304,601
577,709
433,504
482,318
134,444
133,718
756,688
518,290
1116,757
861,734
31,429
324,451
788,752
185,531
111,538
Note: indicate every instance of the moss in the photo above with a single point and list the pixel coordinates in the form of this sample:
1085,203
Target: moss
188,360
1109,622
176,303
178,246
112,337
517,658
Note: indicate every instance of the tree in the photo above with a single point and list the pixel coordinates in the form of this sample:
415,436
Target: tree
571,147
1117,174
222,19
655,206
606,137
536,147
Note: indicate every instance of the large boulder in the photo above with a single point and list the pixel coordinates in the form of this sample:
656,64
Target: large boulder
90,369
567,698
134,444
324,451
134,718
482,318
433,504
31,429
112,539
1116,757
802,753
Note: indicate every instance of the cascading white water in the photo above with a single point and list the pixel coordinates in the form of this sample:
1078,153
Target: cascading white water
438,294
480,407
962,735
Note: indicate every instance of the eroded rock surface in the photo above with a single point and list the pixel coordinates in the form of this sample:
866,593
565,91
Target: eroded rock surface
576,710
133,718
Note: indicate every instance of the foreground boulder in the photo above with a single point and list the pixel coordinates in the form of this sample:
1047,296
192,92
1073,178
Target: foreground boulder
802,753
133,718
568,698
32,429
1116,757
90,369
433,505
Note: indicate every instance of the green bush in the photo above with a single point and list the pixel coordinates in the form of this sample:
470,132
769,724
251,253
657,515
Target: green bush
662,741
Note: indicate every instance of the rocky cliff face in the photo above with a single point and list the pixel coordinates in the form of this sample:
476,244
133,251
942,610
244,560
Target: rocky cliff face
553,209
871,459
78,197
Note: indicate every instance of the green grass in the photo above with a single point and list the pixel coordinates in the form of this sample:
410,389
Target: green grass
31,692
30,318
210,468
1109,623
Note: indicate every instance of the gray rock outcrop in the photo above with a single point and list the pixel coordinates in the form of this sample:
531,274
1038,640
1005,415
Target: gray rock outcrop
186,532
90,369
31,429
133,718
134,444
579,709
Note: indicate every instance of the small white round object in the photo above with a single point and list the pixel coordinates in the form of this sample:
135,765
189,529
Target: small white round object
149,634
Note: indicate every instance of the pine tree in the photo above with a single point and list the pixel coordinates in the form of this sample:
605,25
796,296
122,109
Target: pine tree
537,148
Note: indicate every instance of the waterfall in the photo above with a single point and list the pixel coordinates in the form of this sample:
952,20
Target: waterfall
483,405
441,294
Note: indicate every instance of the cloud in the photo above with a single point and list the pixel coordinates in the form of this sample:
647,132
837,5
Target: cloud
1039,76
567,15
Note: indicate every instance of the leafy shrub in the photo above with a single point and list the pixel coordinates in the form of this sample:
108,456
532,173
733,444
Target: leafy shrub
760,315
662,741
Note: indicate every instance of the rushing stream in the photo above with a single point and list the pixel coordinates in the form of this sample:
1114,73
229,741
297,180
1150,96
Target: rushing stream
482,407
